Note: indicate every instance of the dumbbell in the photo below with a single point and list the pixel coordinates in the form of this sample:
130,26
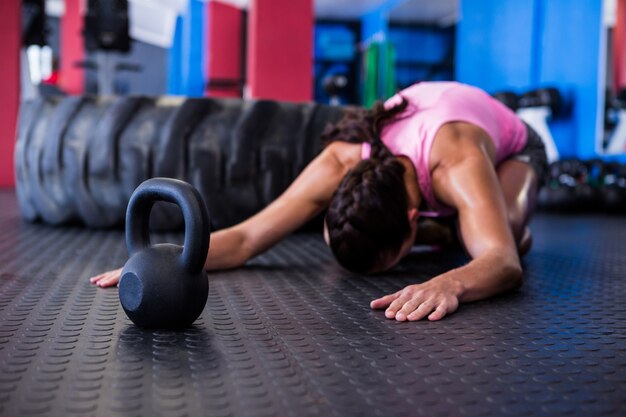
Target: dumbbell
508,98
543,97
556,194
613,190
334,86
564,191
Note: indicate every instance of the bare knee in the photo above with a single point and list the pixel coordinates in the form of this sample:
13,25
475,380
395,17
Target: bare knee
525,243
519,184
517,222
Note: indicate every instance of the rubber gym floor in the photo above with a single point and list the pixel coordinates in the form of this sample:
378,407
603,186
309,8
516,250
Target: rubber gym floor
291,334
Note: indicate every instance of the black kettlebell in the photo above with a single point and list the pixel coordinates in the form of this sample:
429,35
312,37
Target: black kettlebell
165,286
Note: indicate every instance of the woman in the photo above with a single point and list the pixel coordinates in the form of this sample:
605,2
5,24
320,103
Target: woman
434,149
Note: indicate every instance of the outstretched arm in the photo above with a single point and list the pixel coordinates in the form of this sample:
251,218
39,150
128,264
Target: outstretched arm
305,198
470,184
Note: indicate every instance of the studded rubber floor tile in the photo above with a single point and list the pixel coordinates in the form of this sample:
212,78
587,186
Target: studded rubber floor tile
291,334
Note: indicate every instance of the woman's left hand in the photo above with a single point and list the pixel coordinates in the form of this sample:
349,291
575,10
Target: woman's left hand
434,298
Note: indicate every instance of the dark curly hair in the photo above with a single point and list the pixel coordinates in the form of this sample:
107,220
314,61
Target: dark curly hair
367,217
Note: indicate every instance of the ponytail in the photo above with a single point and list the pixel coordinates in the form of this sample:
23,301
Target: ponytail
365,125
367,216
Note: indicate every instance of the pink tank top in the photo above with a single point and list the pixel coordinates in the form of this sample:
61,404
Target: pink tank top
430,106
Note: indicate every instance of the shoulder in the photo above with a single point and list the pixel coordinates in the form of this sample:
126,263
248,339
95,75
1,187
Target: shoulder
461,152
457,141
345,153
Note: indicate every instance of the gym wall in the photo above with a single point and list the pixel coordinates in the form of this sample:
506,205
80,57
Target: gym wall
619,47
524,44
9,85
280,50
149,78
72,48
225,40
374,29
186,58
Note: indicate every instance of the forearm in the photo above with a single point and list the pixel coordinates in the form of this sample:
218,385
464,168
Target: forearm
490,274
227,250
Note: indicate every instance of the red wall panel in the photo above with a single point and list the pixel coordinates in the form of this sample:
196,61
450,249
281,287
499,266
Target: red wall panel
71,78
280,49
619,43
225,43
10,34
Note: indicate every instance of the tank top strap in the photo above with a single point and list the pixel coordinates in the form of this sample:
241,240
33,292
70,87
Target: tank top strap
366,150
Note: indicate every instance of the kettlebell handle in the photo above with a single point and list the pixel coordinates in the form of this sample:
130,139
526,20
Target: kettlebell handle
195,214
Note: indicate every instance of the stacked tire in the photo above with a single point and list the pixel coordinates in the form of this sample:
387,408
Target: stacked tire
78,159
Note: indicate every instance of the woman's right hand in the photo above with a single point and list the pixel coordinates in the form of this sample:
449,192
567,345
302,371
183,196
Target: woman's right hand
107,279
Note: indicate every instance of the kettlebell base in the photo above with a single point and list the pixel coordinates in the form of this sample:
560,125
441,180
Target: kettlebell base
132,293
155,293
